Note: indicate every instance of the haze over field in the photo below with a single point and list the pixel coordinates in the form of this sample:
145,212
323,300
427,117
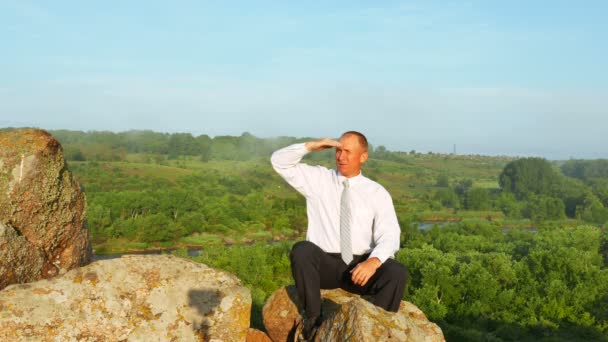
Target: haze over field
514,78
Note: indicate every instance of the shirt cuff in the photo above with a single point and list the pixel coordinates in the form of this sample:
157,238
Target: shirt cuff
301,147
381,256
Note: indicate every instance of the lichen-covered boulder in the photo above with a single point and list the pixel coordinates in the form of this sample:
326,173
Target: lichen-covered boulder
42,209
348,317
254,335
134,298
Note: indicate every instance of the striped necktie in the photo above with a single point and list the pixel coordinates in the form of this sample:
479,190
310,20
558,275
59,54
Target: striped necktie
346,249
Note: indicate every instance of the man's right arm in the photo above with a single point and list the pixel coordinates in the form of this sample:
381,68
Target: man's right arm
302,177
321,144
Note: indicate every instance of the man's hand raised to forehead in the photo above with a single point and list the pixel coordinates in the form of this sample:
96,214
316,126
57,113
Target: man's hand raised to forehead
322,144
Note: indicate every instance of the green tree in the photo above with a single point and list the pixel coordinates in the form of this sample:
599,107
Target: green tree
509,205
540,208
477,199
592,210
443,180
529,175
448,198
462,186
225,148
74,153
182,144
432,282
204,146
573,193
586,169
599,187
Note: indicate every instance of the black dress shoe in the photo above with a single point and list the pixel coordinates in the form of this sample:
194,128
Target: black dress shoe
310,326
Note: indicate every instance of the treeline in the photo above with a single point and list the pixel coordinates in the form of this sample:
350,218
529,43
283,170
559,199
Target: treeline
155,146
534,188
586,170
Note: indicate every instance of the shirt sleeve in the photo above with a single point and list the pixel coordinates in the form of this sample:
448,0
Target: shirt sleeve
386,232
302,177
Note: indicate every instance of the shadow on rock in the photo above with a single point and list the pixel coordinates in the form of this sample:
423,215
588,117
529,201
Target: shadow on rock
293,296
205,302
328,308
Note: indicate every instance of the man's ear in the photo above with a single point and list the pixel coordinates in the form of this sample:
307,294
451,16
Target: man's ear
363,157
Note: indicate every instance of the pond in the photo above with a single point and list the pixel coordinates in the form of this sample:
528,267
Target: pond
426,225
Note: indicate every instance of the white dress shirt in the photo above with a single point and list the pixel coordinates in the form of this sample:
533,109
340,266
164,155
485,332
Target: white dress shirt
374,227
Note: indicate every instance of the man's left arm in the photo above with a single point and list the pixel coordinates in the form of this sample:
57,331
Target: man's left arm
386,238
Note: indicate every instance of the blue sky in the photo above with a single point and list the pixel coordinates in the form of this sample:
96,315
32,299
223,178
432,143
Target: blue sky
493,77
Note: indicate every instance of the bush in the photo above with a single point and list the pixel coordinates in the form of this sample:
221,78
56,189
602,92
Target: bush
477,199
540,208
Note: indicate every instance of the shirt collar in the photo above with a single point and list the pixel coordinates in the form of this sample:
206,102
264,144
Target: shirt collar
352,180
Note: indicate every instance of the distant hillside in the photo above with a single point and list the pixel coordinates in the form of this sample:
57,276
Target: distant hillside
105,145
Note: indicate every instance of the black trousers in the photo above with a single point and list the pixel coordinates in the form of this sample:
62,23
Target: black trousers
313,270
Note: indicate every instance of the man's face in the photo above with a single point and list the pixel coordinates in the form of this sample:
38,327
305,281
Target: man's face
350,156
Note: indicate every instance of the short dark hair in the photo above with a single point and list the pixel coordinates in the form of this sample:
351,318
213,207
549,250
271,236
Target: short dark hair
362,139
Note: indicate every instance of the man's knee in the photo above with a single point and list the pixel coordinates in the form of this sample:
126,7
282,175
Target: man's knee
396,271
303,250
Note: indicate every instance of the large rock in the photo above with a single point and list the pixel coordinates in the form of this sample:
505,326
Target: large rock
254,335
42,210
348,317
135,298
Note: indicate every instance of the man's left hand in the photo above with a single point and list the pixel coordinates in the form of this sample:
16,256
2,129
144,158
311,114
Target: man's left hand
365,270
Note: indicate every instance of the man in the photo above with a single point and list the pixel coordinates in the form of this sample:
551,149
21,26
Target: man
353,231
